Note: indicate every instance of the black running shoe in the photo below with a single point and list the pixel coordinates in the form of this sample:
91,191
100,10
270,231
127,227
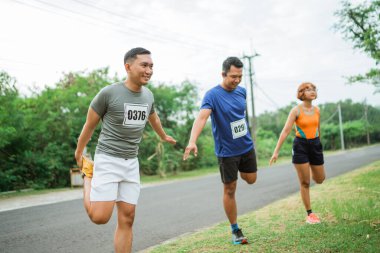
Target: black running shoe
238,237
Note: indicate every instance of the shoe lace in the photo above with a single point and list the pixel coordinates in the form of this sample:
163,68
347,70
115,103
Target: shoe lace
239,233
313,216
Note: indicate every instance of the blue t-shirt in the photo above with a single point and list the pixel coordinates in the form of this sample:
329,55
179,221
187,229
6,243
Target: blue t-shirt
229,126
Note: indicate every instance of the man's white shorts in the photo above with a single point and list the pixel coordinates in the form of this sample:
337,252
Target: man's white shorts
115,179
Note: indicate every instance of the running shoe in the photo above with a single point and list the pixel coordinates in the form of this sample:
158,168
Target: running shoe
238,237
87,167
313,219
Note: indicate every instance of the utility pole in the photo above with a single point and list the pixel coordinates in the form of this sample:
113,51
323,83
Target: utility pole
341,127
366,121
251,73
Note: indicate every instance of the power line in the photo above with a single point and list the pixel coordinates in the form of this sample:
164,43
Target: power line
264,103
32,64
144,34
268,97
80,14
251,73
341,127
141,20
47,10
325,121
366,122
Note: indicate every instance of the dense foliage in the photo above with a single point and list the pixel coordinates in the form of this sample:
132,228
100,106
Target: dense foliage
360,24
361,125
38,133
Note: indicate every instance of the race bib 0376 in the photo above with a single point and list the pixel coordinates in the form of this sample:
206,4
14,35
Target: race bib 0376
135,114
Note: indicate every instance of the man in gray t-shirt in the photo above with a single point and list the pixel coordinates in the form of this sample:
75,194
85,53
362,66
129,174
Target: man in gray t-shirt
124,108
124,114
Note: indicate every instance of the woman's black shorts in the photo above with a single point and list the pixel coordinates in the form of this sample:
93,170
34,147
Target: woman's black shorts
307,151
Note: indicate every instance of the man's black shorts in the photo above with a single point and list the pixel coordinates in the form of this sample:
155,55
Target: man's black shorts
229,166
307,151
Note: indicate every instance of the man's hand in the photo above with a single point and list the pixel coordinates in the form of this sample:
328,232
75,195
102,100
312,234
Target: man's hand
169,139
78,158
191,147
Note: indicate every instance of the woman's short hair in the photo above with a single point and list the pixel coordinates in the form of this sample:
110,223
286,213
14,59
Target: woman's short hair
301,90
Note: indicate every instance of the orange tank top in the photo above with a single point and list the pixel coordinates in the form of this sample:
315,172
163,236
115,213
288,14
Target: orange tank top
306,124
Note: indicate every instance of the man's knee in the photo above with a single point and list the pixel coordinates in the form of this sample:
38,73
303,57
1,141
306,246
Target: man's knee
100,212
230,189
230,193
126,215
99,219
128,218
305,184
250,178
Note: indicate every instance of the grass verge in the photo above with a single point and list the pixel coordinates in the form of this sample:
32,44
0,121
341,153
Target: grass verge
155,179
29,192
179,175
262,163
349,207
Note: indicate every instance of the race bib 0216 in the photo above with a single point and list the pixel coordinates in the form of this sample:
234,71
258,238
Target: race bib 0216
135,114
239,128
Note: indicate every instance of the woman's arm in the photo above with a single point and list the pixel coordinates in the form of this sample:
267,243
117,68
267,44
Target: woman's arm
284,133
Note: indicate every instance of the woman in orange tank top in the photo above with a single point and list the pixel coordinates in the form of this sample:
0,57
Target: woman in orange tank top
307,148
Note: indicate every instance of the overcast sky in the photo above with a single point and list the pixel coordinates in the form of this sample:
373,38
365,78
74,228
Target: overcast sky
189,39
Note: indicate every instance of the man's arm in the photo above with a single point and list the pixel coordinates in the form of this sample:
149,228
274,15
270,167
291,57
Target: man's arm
92,121
155,122
198,126
319,125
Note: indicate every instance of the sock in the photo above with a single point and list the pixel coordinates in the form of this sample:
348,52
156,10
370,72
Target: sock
309,212
234,227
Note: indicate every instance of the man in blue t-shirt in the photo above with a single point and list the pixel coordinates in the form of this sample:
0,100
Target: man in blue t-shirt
226,103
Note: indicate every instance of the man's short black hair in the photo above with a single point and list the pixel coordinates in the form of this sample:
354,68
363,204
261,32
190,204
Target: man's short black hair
231,61
132,54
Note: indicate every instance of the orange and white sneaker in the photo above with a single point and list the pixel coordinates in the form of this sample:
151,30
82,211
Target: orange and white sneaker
313,219
87,167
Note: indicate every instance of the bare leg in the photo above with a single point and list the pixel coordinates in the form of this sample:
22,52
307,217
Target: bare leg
229,201
303,171
123,233
250,178
99,211
318,173
86,193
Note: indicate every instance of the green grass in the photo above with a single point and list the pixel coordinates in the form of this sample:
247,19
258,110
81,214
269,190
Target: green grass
262,162
180,175
349,207
28,192
199,172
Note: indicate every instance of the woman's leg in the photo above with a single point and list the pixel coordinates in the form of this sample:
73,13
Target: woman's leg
303,171
318,173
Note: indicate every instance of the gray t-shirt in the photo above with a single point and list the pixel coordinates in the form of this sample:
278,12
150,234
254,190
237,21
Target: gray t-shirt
124,114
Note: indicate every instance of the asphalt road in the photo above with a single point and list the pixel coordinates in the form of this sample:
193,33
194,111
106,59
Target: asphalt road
164,211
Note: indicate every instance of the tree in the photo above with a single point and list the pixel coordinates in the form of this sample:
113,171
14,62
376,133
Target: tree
361,25
330,136
8,109
11,132
175,105
354,132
